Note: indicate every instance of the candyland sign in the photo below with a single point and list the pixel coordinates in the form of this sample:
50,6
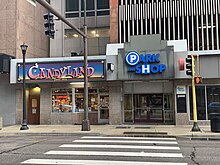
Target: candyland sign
144,64
61,71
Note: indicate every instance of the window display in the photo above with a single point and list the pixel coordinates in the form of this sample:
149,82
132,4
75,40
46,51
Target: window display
72,100
62,100
92,99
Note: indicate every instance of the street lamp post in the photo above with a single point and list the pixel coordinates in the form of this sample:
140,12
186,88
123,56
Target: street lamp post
24,121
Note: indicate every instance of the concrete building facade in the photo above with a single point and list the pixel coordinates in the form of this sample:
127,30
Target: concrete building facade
21,21
137,74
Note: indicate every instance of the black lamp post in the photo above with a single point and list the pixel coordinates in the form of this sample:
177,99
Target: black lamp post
24,121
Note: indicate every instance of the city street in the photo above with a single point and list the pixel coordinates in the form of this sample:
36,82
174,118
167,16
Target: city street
107,150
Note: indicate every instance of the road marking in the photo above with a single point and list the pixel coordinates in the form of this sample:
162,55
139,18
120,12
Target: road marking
95,162
129,138
120,146
123,141
101,153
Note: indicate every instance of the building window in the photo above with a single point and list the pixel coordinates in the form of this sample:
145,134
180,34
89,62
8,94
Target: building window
98,38
72,8
102,7
62,100
72,5
213,99
92,33
92,100
206,96
75,8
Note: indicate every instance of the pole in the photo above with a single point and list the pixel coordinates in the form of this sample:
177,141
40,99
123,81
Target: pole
24,121
195,124
85,122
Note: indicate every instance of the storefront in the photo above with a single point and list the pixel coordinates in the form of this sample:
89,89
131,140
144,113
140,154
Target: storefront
134,83
55,93
147,73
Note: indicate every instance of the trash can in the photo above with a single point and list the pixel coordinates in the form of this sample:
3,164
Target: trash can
215,122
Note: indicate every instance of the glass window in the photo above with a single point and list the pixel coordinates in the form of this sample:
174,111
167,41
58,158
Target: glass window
128,102
90,5
72,5
128,114
61,100
99,13
213,99
200,101
103,4
92,99
92,33
70,15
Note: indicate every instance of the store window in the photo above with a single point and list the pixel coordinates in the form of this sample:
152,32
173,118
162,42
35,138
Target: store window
128,111
207,100
200,101
213,99
62,100
92,100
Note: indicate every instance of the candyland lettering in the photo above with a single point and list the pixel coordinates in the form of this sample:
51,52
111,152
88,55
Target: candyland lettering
144,64
35,72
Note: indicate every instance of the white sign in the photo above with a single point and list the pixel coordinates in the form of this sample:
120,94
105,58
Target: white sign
180,89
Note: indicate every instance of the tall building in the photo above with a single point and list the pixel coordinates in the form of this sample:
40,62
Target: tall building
21,21
68,42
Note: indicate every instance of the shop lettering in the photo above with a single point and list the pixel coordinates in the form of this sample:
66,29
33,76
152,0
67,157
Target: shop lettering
141,64
41,73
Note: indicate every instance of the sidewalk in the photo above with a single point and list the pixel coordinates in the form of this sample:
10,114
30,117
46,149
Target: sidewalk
113,130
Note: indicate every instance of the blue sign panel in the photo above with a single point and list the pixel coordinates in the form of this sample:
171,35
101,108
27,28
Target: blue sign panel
140,64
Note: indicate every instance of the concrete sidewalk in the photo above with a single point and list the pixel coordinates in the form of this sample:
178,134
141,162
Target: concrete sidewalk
113,130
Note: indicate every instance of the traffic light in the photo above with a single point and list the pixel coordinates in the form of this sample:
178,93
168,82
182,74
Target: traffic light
49,25
189,65
198,80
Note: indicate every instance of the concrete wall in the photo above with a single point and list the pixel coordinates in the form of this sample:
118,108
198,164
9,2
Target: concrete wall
29,28
115,103
7,101
20,22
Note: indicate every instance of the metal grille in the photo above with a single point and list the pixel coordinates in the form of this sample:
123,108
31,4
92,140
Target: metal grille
194,20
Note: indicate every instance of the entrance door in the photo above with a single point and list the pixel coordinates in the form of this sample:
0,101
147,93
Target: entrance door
103,108
148,108
34,109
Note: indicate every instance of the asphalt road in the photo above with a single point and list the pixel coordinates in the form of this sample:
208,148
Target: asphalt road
17,149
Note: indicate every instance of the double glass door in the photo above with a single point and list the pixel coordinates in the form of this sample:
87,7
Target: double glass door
148,108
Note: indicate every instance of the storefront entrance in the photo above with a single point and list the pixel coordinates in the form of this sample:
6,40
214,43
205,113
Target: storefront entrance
33,113
34,110
148,108
103,115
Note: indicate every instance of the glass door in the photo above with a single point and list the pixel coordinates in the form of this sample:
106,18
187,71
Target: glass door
148,108
103,114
